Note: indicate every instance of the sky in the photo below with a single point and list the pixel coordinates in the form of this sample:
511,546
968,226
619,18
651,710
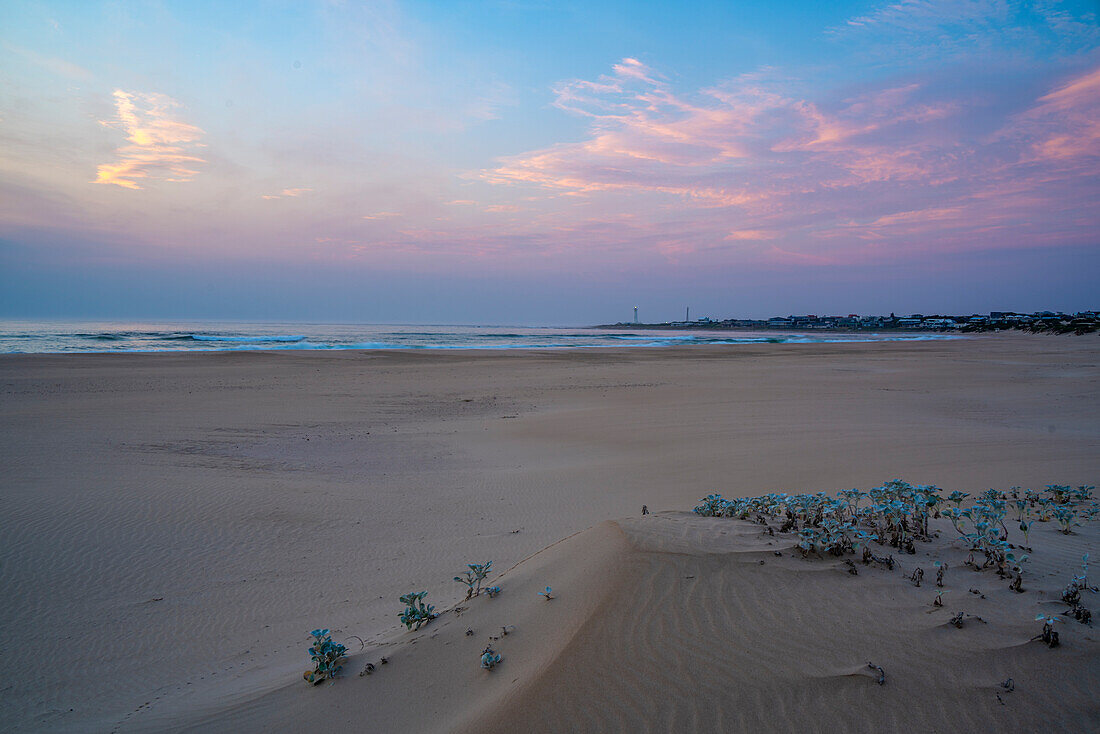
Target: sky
558,162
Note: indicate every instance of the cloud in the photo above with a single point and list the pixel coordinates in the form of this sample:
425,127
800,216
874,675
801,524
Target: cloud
381,215
751,234
1064,125
738,144
287,192
53,64
912,31
921,16
158,145
755,160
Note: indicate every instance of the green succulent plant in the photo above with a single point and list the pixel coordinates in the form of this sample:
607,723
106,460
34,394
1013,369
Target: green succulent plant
416,613
327,656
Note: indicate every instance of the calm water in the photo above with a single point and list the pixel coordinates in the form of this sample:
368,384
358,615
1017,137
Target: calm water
112,336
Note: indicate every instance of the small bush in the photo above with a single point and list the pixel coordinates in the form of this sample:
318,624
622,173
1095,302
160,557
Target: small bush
416,613
474,577
489,659
1049,636
327,656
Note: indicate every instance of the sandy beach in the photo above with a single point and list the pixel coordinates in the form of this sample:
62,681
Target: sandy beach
174,525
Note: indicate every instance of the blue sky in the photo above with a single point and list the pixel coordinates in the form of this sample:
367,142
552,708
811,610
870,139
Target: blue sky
546,162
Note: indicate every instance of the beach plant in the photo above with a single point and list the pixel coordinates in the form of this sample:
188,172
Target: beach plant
1049,635
957,497
807,540
489,658
955,515
861,538
1082,493
1082,581
1065,515
492,591
1072,593
416,613
1088,512
1080,613
1045,508
941,567
897,514
1015,562
473,577
712,506
1059,493
547,593
327,656
853,497
1025,528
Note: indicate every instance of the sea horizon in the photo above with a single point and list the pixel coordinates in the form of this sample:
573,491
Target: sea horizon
55,336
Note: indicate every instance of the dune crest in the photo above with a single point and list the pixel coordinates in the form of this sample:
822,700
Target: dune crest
432,680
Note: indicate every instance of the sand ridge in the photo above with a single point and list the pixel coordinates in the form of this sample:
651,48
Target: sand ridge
431,679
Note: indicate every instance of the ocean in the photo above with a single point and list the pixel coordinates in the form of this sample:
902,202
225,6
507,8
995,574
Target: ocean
125,336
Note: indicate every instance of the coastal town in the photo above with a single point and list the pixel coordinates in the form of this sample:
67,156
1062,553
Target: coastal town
1081,322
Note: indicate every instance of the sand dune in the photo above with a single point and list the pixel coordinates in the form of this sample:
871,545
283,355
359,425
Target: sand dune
433,680
710,631
674,622
172,526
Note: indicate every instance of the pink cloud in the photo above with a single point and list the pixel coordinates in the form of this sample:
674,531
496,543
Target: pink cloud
157,143
1064,125
751,234
755,161
629,67
287,193
646,137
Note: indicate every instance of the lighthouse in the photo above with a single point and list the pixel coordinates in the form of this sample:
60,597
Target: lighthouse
635,314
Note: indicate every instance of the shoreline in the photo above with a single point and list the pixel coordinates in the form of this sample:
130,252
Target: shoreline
300,344
251,497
